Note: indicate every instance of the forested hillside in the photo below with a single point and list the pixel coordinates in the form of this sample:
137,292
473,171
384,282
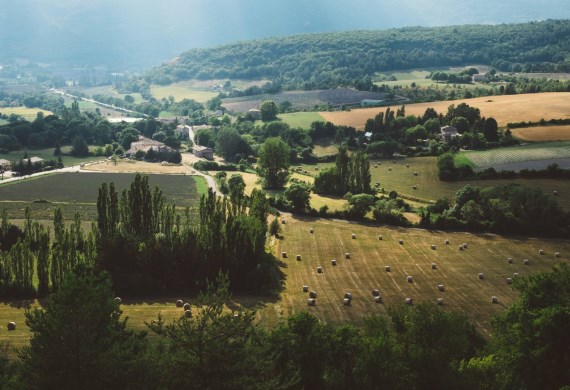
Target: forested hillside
343,58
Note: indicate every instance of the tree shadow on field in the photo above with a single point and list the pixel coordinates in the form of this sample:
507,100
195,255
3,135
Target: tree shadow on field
19,303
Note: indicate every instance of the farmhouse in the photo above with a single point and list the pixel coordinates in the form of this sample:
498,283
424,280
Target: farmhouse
146,144
183,131
4,165
36,160
255,113
448,133
479,77
203,152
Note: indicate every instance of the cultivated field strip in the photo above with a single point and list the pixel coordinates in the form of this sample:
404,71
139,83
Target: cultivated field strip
519,154
457,270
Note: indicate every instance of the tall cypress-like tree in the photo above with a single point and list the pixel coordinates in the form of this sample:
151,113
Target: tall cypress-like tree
343,170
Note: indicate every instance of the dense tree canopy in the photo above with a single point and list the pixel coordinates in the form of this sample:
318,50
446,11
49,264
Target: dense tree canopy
332,59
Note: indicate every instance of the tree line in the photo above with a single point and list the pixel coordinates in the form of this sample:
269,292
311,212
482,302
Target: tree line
412,347
328,60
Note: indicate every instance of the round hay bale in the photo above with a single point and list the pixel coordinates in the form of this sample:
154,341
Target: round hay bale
284,254
541,252
11,325
348,295
481,275
557,254
387,268
464,245
440,301
401,242
316,168
186,306
555,192
433,266
389,169
346,302
305,288
410,279
441,287
415,173
407,165
312,231
446,242
525,262
510,260
283,221
414,187
378,299
333,262
117,300
494,299
433,247
313,294
320,270
460,247
188,313
516,275
375,292
353,236
179,303
347,255
298,257
380,238
311,302
509,281
409,301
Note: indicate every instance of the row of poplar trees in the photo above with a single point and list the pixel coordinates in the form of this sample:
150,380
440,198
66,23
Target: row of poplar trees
29,253
146,245
351,173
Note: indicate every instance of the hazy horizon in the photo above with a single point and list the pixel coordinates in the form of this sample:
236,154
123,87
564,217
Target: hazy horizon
139,33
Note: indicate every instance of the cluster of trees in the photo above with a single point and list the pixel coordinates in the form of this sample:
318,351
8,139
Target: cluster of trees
147,246
413,347
71,127
320,61
508,208
350,174
32,252
465,77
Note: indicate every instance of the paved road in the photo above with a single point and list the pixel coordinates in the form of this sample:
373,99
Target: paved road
73,168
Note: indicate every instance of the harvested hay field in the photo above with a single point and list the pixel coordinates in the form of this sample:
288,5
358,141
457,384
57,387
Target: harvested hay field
364,271
397,177
543,133
505,109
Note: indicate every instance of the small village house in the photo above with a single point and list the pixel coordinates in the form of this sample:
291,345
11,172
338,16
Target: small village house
203,152
4,165
145,144
448,133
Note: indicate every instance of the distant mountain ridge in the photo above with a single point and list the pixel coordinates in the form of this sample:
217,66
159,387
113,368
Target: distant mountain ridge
324,60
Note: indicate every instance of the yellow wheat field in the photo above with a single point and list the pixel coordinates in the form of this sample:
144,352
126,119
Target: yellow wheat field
543,133
505,109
